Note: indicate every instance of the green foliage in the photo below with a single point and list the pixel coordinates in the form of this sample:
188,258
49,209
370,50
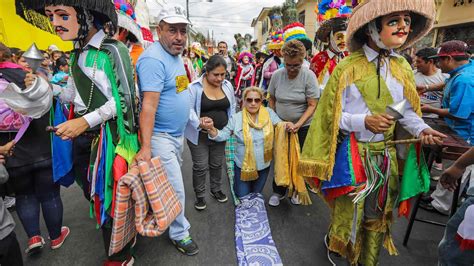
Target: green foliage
290,14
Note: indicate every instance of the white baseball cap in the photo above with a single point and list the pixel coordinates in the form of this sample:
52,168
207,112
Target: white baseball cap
173,14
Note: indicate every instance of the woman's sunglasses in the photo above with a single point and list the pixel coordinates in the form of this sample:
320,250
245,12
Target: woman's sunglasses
255,100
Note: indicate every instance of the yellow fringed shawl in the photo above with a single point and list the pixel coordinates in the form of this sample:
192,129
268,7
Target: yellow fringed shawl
249,165
317,158
286,163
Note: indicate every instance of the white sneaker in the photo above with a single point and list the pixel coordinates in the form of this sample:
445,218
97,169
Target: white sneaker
9,201
295,199
275,200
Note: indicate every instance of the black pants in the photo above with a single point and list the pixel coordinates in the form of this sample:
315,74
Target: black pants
208,157
301,137
82,154
10,253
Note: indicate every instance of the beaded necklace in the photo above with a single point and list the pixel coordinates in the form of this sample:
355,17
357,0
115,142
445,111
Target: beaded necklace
94,69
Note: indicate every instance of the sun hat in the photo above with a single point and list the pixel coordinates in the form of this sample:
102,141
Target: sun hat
296,31
33,10
53,48
276,40
246,53
127,18
452,48
197,48
424,16
173,14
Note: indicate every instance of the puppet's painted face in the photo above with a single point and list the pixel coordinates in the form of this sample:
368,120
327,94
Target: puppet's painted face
245,60
395,29
192,54
340,40
64,21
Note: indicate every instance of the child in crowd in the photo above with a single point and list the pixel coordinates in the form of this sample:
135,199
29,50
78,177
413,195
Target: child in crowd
61,74
245,74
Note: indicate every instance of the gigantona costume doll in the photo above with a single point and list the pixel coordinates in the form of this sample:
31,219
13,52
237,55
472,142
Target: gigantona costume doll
346,154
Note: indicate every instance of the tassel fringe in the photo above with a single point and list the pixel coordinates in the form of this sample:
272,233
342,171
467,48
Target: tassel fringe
304,198
248,175
311,168
389,245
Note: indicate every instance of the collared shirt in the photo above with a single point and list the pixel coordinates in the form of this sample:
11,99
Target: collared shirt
234,127
355,110
70,93
459,100
195,91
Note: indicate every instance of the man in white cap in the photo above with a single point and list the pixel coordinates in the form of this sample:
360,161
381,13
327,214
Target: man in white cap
165,109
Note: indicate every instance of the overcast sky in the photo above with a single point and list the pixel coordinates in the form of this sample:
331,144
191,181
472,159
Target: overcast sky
225,17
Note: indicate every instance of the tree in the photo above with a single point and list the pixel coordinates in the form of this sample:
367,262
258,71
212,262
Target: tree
290,14
200,38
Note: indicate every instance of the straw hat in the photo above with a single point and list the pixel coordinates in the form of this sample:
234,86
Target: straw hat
422,21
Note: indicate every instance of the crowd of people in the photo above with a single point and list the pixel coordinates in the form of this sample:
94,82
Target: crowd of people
322,122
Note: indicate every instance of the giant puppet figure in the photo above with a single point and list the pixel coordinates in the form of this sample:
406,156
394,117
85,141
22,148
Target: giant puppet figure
332,32
347,154
129,32
101,87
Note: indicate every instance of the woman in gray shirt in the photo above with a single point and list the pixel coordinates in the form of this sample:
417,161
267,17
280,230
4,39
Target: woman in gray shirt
294,94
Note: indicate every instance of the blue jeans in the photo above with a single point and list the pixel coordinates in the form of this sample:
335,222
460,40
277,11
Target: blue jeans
449,253
170,149
35,190
243,188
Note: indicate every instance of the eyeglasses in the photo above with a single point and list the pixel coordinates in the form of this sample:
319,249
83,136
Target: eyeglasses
255,100
295,66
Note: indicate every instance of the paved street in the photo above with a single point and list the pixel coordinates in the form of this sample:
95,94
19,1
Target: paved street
297,230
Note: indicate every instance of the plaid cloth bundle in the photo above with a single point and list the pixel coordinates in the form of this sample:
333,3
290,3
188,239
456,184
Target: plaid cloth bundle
145,203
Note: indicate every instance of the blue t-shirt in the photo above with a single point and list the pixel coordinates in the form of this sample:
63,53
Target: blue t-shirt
459,100
159,71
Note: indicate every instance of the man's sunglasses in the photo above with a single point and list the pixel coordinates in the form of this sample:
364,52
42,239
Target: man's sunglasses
255,100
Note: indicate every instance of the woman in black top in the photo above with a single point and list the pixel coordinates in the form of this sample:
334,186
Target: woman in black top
212,97
31,174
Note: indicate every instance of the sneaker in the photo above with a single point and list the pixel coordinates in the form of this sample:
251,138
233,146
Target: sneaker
219,196
275,200
58,242
438,166
312,190
295,200
186,246
128,262
334,258
35,244
9,202
200,204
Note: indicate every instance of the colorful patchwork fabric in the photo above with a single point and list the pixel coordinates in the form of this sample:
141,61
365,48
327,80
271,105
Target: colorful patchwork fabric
146,203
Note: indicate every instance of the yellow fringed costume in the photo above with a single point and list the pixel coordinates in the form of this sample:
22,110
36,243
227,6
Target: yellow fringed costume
352,236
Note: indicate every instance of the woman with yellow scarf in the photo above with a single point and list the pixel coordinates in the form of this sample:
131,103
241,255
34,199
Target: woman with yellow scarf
253,129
